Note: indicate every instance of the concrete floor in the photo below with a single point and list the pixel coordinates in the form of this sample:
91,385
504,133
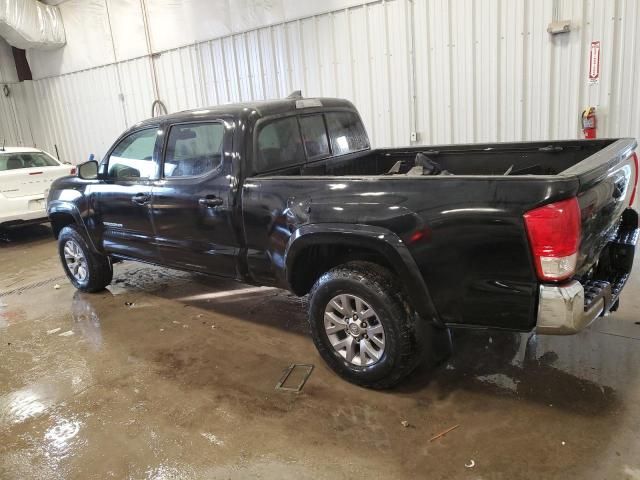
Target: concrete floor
170,375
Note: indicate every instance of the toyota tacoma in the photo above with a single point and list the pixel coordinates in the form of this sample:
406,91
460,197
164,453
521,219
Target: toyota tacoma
393,246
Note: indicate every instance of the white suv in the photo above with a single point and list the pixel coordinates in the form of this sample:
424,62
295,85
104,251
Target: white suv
25,177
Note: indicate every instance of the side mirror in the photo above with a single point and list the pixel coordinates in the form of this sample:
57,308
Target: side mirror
88,170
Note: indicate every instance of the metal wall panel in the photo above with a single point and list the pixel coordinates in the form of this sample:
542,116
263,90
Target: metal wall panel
568,72
450,71
80,113
9,132
134,77
486,70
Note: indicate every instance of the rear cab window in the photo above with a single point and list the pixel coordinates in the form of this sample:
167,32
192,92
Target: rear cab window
298,139
346,132
314,136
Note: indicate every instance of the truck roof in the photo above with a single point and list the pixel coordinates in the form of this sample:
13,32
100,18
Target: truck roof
253,110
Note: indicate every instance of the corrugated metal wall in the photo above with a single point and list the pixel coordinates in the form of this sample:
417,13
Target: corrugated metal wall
451,71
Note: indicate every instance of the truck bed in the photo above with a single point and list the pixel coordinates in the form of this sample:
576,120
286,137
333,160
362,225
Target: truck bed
524,158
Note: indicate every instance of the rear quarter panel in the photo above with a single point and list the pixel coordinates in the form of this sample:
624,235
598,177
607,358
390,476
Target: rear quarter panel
471,247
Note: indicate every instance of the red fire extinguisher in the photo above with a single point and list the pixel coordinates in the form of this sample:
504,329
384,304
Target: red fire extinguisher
589,122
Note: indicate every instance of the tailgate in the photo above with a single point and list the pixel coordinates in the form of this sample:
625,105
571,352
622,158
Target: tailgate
607,180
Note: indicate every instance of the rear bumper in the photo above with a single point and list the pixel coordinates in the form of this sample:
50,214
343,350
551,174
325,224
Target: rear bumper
36,216
19,210
567,308
562,309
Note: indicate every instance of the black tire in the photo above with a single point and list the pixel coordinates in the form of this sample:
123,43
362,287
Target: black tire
380,289
99,269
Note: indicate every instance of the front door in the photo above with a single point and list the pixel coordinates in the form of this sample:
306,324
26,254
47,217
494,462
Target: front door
124,196
192,201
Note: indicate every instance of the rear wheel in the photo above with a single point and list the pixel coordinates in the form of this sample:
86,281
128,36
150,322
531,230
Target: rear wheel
87,270
363,326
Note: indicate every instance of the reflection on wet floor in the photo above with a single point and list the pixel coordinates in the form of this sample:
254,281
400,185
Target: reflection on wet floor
579,372
571,374
86,320
172,375
20,405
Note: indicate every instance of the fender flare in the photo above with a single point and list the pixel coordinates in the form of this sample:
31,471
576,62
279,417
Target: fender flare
379,239
57,206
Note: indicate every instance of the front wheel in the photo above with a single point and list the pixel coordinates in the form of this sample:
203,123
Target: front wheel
88,271
363,326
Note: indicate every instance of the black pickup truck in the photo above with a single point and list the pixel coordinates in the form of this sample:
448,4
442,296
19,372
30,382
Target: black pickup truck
393,246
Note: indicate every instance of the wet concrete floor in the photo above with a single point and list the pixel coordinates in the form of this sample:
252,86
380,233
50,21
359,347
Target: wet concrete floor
170,375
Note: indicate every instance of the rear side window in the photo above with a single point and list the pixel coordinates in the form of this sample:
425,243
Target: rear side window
314,137
14,161
193,149
133,156
346,133
280,145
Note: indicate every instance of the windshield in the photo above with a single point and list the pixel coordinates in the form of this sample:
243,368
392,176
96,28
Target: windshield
14,161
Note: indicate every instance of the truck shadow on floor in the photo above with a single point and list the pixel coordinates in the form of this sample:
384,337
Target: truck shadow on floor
584,374
19,236
575,375
219,296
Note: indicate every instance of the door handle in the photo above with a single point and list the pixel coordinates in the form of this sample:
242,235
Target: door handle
210,201
141,198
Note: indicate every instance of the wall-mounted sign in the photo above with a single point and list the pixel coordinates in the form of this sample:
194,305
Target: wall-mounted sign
594,63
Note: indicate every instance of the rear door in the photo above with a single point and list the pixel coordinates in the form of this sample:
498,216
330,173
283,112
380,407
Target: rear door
123,198
193,200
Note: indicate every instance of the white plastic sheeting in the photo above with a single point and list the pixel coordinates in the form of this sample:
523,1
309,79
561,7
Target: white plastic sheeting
451,71
89,40
100,32
176,23
7,64
31,24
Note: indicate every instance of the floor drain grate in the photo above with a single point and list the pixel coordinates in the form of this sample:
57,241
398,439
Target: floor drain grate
31,286
294,377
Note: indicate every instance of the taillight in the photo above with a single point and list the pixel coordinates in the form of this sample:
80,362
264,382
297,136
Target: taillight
635,183
554,235
73,171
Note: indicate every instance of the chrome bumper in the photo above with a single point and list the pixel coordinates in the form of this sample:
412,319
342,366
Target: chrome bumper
562,311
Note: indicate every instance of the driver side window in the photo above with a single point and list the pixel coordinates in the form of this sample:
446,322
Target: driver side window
133,156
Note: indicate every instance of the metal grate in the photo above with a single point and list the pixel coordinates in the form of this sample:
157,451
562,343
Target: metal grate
294,377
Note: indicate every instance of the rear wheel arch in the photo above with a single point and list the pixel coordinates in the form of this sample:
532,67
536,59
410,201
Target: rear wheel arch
315,249
318,256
